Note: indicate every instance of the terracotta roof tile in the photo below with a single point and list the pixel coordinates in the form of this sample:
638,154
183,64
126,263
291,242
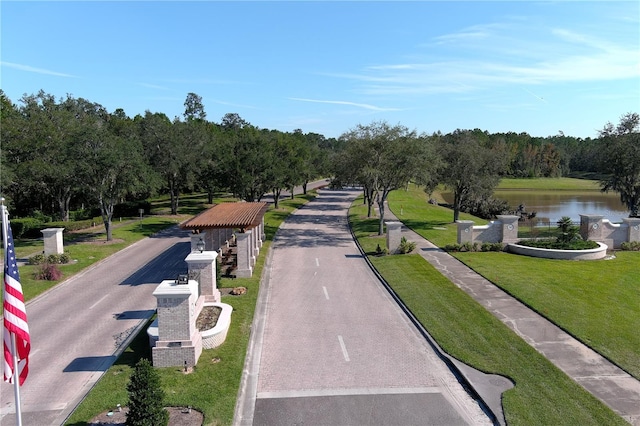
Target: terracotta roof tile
228,215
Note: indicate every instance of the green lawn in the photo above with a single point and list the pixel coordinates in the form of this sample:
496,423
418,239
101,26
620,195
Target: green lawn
555,184
213,385
543,395
596,301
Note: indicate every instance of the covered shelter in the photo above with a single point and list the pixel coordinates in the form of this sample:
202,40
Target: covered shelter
234,230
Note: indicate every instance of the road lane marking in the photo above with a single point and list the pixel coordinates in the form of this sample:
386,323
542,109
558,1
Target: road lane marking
326,294
317,262
344,348
96,304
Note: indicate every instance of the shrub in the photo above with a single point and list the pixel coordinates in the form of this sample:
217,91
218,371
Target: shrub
405,246
557,245
146,397
381,251
630,245
26,227
48,272
36,259
492,247
65,258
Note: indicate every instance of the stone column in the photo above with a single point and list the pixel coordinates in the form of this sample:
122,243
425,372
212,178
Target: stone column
53,241
465,231
244,255
634,228
255,240
509,228
591,227
179,342
261,236
195,238
202,268
394,235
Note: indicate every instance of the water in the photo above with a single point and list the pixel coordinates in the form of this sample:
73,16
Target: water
550,206
553,205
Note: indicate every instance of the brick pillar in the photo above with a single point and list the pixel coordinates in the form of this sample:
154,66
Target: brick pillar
393,235
633,233
243,240
179,342
591,227
465,231
509,228
53,243
202,268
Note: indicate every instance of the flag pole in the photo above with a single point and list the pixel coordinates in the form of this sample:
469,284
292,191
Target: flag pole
14,349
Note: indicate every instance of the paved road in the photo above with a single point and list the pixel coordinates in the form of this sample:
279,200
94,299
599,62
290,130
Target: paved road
79,327
331,346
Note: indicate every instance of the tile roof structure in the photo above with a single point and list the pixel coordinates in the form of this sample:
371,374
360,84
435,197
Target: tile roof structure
228,215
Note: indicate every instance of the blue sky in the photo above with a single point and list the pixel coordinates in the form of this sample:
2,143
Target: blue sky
324,67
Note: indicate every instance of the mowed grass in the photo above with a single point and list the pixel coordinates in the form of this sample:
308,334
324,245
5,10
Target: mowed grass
598,302
213,385
543,395
556,184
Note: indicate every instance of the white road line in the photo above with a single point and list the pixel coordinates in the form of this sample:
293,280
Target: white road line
344,349
96,304
317,262
326,294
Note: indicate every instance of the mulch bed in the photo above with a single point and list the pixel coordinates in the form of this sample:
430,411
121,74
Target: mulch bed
178,416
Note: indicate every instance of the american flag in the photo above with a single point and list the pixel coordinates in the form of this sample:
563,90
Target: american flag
15,316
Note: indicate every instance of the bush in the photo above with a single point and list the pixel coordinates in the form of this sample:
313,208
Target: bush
630,246
476,246
146,397
37,259
27,227
48,272
557,245
381,251
405,246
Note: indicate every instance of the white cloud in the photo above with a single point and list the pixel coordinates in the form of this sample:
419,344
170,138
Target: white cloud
28,68
355,104
490,56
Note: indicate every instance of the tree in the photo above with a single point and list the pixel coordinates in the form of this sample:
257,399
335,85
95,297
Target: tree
193,108
469,169
45,156
621,161
385,158
146,397
113,165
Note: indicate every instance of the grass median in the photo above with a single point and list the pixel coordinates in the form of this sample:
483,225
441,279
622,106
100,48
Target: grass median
463,328
213,385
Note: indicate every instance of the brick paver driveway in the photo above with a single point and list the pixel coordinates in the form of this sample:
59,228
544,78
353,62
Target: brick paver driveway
334,348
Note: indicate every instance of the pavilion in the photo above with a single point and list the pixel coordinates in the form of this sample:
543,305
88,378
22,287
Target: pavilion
228,225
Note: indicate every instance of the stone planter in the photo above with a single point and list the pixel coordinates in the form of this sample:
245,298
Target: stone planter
590,254
215,336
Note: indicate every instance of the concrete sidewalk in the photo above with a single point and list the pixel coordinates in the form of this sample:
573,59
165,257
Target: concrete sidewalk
613,386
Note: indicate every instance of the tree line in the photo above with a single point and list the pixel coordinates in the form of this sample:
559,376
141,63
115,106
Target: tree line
60,155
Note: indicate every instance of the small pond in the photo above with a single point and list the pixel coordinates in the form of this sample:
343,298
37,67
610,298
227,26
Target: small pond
552,205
